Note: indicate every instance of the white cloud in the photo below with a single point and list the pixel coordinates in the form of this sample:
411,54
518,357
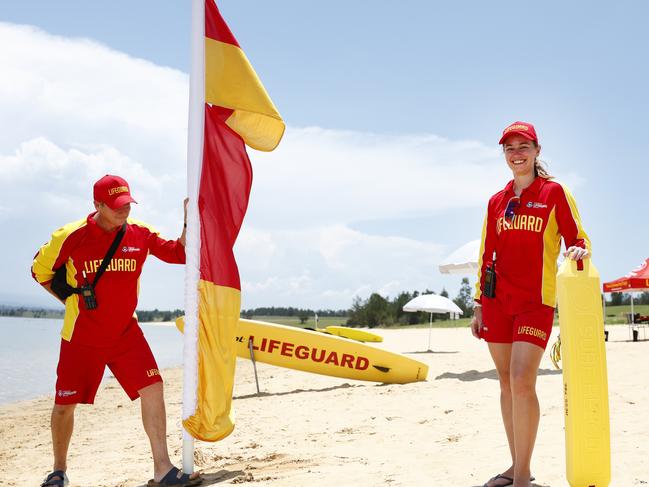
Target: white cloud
77,91
75,110
319,176
326,267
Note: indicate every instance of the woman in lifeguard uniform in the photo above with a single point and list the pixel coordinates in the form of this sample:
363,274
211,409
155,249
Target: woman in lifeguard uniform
516,289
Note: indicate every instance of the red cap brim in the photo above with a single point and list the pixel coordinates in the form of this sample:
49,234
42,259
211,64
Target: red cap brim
121,201
517,132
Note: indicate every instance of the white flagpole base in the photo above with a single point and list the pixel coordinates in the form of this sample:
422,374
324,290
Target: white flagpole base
188,452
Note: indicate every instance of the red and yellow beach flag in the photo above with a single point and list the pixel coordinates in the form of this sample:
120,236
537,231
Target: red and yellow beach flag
237,111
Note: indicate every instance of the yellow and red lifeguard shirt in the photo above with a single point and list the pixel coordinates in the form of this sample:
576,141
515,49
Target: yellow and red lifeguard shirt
81,246
528,246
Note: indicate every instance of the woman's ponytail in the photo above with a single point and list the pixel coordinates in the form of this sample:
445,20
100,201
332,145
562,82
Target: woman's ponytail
540,169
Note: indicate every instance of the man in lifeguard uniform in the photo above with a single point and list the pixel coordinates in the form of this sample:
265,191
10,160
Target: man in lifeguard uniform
109,334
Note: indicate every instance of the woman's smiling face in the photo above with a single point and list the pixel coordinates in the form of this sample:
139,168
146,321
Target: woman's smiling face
520,154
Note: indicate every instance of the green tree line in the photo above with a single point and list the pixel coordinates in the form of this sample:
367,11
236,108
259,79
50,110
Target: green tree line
377,310
290,311
27,312
373,311
145,316
621,299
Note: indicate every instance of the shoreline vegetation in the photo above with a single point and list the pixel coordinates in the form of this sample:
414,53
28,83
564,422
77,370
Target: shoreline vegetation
615,315
374,312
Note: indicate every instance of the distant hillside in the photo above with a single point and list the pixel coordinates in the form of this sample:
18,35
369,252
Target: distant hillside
30,312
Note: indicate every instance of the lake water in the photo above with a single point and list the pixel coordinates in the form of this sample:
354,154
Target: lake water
29,352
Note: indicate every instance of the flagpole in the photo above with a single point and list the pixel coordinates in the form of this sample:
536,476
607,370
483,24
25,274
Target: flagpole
192,249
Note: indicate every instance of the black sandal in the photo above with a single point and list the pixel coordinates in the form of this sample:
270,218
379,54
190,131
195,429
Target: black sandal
177,478
50,481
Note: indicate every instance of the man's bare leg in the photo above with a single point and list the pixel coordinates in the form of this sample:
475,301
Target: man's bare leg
62,425
154,419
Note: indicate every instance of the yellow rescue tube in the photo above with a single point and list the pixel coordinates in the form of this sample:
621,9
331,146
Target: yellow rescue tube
585,383
353,334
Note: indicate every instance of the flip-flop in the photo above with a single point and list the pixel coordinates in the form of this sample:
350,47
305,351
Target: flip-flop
175,478
500,476
504,477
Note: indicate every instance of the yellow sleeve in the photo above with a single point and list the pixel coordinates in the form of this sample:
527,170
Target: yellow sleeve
47,256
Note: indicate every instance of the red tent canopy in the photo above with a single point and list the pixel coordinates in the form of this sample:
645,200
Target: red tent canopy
636,280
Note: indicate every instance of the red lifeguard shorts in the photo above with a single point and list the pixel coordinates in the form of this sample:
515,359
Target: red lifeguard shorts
532,323
81,368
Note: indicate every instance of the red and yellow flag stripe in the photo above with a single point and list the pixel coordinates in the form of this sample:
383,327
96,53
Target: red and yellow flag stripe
238,111
231,82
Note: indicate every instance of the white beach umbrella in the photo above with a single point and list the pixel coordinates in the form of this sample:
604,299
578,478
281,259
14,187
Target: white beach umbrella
431,303
463,260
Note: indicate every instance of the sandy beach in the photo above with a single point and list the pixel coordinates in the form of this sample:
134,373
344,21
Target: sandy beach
310,430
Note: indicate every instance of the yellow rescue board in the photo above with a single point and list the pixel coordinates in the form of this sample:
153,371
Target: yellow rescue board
295,348
585,383
353,333
319,353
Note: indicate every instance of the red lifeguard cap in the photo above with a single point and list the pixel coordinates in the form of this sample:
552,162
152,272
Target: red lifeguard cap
523,129
113,191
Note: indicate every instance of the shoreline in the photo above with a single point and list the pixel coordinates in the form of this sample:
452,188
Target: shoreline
305,429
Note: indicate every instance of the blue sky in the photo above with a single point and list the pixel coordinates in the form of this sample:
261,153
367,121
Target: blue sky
393,115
